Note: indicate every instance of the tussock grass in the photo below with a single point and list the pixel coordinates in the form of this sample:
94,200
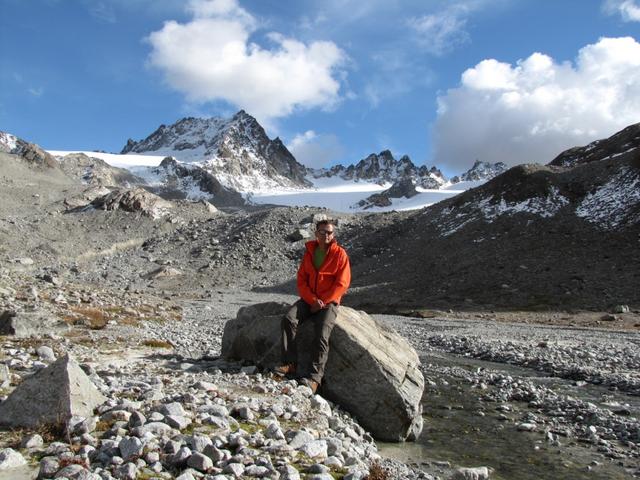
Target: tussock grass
94,318
154,343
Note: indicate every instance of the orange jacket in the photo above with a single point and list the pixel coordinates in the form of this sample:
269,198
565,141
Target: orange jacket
331,281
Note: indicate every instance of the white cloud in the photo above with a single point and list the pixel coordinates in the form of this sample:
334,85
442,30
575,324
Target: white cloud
441,32
531,111
36,91
212,58
315,150
629,10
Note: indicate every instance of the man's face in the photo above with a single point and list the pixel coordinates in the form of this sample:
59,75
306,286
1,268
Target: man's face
325,234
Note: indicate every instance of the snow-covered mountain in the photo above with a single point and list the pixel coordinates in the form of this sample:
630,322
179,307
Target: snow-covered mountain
481,171
382,169
236,151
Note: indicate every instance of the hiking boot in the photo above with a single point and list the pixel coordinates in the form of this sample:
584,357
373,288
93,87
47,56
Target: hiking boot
308,382
283,370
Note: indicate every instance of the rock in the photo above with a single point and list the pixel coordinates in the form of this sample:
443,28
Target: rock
200,462
48,467
621,309
209,207
130,447
299,234
46,354
74,472
372,372
26,324
9,459
162,272
50,396
135,200
316,448
32,441
477,473
5,376
23,261
86,197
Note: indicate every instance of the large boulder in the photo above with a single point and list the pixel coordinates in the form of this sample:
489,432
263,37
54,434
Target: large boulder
28,324
135,200
51,396
372,372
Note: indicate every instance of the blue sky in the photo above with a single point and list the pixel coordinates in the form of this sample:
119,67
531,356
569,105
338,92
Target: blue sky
444,82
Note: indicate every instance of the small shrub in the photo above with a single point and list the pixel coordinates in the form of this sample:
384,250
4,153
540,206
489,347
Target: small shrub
376,472
157,343
93,318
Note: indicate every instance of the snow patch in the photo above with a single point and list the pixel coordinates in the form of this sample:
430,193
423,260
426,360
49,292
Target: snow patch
543,206
489,210
610,206
8,142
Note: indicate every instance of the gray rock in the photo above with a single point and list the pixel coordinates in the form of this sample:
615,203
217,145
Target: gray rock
32,441
48,467
200,462
477,473
27,324
5,375
299,234
137,419
73,471
52,395
130,447
128,471
173,408
135,200
288,472
235,469
299,438
621,309
372,372
315,449
46,354
177,421
9,459
156,428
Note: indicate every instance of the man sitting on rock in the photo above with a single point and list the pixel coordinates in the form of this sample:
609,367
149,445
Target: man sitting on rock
323,278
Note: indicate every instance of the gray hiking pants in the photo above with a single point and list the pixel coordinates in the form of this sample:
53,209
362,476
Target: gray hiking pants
323,323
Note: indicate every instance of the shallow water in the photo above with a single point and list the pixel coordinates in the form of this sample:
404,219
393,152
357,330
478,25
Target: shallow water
456,432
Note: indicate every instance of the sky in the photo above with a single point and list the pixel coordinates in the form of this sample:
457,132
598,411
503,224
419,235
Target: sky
445,82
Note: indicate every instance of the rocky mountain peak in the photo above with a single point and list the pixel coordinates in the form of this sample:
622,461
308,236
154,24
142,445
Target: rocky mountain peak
237,151
481,171
383,168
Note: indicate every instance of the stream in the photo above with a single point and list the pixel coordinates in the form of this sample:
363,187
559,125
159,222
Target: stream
462,429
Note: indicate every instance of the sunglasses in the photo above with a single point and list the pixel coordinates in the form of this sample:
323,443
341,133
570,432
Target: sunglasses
325,232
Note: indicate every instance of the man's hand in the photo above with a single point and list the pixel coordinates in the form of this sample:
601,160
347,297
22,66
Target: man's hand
317,306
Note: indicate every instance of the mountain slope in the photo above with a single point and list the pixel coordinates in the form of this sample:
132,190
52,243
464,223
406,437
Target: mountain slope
534,237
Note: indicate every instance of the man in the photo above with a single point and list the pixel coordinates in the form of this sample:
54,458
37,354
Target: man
323,278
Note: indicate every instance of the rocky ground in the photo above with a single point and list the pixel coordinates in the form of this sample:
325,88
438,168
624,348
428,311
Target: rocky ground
144,302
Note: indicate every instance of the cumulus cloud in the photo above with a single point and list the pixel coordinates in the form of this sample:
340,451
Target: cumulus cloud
212,58
315,150
531,111
629,10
